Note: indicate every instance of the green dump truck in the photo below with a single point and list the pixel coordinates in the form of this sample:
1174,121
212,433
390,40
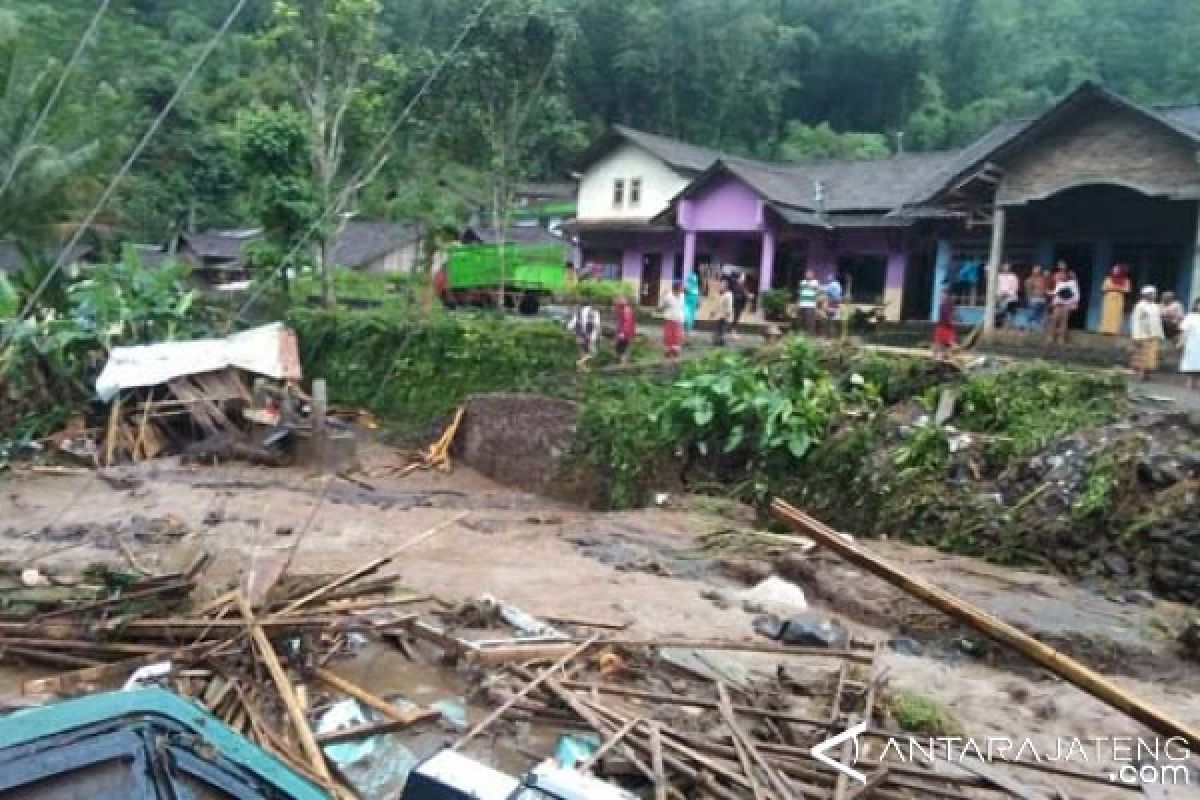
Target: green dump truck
474,273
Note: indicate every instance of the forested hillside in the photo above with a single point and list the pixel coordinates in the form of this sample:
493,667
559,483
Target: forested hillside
289,112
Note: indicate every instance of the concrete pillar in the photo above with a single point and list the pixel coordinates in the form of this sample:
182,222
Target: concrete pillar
766,264
689,252
941,273
995,258
1192,289
893,285
1102,258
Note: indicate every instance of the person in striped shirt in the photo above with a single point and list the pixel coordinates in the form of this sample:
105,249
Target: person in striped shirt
806,302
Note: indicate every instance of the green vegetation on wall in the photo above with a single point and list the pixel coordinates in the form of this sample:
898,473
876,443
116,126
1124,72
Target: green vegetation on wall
410,369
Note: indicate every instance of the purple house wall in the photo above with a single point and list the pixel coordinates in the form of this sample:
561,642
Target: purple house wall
726,219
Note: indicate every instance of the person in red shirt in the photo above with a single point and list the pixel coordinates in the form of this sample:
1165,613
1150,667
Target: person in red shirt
944,336
626,327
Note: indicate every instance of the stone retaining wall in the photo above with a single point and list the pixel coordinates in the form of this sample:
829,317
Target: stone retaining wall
517,439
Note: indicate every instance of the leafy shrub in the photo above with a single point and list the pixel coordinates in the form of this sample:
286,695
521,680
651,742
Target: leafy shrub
602,293
775,303
917,713
1030,405
411,368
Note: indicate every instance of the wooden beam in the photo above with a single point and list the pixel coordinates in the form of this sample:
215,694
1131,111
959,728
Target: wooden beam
525,691
402,718
1041,654
266,652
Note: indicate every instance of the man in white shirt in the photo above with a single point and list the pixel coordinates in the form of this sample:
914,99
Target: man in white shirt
585,324
1146,329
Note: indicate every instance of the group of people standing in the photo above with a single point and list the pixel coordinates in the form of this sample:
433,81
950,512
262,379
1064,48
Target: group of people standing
1051,298
679,308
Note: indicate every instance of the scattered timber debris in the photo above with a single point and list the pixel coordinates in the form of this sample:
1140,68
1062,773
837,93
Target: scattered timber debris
1043,655
264,668
437,455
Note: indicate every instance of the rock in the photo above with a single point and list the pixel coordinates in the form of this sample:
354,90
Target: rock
745,570
803,631
905,646
1190,640
717,598
1117,564
284,530
775,596
1140,597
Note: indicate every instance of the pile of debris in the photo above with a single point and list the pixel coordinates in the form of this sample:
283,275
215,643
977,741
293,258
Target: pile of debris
256,657
237,398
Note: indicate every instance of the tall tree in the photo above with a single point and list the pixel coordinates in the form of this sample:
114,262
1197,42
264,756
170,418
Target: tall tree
330,52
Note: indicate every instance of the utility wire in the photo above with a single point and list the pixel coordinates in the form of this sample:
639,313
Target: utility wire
186,82
376,159
32,133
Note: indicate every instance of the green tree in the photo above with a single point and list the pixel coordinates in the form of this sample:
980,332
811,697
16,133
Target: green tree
41,177
274,148
813,142
330,51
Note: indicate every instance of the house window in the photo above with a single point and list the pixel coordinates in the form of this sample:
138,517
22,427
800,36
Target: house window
618,193
601,264
635,192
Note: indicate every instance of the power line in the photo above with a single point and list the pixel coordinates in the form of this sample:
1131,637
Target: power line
32,133
376,159
209,47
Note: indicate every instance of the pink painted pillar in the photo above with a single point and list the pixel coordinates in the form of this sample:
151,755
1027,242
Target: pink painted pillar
689,252
893,291
767,263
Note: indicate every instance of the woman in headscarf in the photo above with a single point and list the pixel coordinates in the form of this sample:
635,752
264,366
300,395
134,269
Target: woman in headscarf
691,301
1112,313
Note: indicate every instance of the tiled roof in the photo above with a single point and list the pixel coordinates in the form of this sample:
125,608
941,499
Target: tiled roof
881,184
11,258
362,241
517,234
1183,116
226,245
681,155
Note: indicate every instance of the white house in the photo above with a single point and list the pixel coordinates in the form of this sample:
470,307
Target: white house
627,179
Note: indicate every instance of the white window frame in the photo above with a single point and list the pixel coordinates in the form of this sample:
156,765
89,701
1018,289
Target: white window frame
635,192
618,198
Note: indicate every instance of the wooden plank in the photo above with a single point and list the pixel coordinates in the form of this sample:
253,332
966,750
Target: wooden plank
266,652
371,566
611,742
70,681
656,762
874,781
525,691
741,647
402,718
353,734
1043,655
747,745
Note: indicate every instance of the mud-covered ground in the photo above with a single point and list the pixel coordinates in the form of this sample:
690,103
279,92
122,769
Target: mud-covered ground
645,568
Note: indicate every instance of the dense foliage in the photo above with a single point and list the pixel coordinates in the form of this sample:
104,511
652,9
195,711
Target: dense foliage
532,83
51,357
412,368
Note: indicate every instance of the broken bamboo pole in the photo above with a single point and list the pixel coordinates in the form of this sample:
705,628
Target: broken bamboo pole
368,568
266,651
525,691
1045,656
404,718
